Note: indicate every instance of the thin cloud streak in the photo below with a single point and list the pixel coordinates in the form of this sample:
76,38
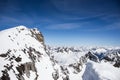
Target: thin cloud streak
113,26
84,26
109,27
64,26
77,17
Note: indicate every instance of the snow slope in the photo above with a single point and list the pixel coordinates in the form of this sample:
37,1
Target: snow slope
23,56
101,71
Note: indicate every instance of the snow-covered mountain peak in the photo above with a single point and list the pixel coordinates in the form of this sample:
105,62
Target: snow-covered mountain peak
21,27
19,37
100,50
22,53
16,27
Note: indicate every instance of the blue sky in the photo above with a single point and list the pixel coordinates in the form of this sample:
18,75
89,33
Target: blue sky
66,22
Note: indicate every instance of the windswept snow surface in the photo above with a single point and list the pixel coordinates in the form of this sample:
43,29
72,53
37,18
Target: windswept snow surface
101,71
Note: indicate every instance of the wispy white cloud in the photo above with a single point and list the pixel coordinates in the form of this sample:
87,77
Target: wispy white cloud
66,26
13,20
84,26
6,19
113,26
77,17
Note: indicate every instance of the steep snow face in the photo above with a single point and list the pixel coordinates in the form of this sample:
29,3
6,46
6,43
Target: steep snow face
23,56
101,71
